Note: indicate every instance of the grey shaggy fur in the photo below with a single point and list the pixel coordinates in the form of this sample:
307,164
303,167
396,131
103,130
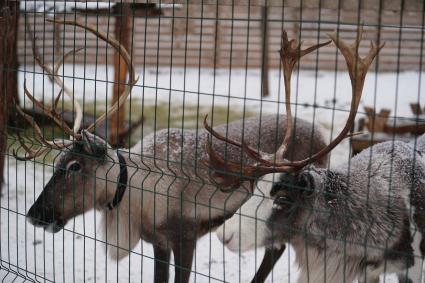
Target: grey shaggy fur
355,220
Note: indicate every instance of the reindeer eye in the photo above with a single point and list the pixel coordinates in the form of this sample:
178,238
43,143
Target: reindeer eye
75,166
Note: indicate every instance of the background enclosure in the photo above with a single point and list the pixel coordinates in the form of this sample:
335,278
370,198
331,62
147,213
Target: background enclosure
193,57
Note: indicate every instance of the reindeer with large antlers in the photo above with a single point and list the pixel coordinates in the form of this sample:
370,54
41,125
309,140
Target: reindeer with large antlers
351,221
160,190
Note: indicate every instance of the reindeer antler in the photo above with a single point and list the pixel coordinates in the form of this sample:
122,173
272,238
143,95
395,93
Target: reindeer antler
266,163
290,54
132,80
55,78
51,112
357,69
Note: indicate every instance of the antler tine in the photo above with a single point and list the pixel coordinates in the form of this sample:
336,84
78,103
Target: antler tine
38,133
250,151
132,80
357,69
67,92
78,110
373,51
290,54
52,115
238,171
57,99
54,77
30,153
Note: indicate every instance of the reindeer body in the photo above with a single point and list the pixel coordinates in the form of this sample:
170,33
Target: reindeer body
357,220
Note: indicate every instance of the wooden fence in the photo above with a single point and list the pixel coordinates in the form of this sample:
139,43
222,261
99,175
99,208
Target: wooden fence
225,36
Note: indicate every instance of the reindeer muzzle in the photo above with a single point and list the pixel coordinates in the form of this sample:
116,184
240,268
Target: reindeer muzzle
41,217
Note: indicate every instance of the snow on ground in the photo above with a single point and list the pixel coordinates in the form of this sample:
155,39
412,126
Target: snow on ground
193,86
78,253
60,6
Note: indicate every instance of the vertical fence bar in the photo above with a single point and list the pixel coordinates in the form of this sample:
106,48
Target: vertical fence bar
265,52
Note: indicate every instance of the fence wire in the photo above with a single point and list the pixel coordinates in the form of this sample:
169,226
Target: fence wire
148,194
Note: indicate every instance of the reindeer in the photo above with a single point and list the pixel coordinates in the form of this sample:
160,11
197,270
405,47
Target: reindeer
162,190
253,225
348,222
351,221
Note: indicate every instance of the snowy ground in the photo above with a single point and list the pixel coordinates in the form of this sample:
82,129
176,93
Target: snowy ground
78,253
193,86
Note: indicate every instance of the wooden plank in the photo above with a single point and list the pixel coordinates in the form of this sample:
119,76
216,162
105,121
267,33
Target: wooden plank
191,41
410,5
123,29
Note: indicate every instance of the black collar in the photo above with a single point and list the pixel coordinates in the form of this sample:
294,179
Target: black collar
121,185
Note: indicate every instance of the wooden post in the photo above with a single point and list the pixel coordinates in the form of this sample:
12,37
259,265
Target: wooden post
376,123
265,51
416,109
9,16
123,21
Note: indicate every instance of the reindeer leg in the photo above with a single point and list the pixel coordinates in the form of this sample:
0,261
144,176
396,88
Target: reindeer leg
162,260
183,255
270,258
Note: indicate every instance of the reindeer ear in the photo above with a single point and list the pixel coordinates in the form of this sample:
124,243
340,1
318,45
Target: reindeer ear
94,145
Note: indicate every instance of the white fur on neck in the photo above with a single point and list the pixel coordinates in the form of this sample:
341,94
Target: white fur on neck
120,229
243,231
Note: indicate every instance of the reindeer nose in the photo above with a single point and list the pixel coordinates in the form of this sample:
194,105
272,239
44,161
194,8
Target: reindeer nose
35,217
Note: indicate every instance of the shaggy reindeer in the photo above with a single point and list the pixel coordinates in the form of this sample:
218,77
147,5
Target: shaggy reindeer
349,222
161,189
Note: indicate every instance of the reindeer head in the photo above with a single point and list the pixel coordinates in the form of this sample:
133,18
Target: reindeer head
85,176
297,179
88,173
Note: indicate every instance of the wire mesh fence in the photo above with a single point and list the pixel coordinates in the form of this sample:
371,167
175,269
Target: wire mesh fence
196,141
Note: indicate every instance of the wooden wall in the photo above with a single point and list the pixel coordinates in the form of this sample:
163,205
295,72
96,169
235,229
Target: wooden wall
230,36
